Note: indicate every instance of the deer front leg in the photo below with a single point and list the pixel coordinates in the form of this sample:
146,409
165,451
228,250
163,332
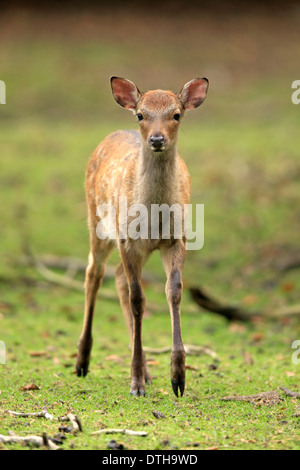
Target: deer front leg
92,284
93,279
137,302
133,266
173,260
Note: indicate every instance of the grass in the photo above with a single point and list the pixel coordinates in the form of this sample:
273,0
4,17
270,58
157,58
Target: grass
241,149
102,399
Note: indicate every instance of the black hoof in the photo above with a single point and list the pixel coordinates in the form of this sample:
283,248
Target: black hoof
82,371
178,385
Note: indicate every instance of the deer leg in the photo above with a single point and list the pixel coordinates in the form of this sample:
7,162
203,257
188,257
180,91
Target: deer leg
173,260
93,279
133,267
123,291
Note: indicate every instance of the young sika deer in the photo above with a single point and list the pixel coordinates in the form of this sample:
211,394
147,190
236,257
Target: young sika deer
146,168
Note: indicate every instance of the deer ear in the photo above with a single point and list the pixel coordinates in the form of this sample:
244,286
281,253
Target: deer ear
193,93
125,92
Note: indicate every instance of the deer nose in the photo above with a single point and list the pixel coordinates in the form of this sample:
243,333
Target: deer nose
157,141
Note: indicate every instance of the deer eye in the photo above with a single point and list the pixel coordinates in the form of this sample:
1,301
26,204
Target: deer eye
140,116
176,116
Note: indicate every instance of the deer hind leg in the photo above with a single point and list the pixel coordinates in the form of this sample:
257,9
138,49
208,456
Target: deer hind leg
173,260
123,291
132,263
93,279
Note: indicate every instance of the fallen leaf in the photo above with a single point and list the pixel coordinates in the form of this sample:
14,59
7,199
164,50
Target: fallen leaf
249,299
187,366
257,337
152,363
31,386
37,353
288,286
45,334
290,374
114,358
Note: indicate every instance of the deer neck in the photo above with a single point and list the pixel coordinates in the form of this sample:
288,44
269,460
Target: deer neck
157,177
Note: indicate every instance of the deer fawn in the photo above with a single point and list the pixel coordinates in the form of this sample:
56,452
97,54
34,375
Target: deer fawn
146,168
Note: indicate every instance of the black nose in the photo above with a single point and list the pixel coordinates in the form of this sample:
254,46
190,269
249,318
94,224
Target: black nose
157,141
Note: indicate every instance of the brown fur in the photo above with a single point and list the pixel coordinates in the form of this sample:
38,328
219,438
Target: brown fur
125,164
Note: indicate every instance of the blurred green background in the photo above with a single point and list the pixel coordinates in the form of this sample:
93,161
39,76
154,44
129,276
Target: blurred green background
241,146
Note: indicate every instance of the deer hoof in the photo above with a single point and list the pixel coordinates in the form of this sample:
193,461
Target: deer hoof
178,385
138,393
82,370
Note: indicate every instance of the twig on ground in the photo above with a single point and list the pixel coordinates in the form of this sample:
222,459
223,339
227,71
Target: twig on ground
75,422
237,314
73,265
37,441
121,431
39,414
70,283
229,312
290,393
191,349
286,311
287,263
267,398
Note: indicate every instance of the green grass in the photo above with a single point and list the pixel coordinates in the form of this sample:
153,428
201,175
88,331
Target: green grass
242,151
47,320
